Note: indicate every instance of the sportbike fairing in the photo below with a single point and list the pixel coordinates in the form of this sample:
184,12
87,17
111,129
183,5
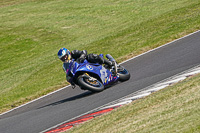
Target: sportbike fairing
104,74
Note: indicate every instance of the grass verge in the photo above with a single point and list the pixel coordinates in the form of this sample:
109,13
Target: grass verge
173,109
32,31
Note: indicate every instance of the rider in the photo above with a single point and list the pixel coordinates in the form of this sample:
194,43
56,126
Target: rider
79,56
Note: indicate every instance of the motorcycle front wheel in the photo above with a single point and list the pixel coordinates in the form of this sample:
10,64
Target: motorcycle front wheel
90,83
123,74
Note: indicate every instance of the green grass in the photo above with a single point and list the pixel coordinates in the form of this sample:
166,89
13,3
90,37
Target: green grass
173,109
32,31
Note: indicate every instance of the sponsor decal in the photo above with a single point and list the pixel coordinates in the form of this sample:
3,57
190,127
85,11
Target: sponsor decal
103,74
89,67
109,78
105,80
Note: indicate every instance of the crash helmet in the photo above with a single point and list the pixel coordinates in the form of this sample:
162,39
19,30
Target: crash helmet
64,54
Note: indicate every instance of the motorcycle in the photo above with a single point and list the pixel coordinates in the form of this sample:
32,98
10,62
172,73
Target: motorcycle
93,76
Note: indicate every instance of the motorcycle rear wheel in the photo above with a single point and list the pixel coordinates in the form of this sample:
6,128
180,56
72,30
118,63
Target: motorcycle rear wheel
94,86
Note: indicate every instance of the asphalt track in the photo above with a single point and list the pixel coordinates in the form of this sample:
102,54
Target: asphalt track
145,70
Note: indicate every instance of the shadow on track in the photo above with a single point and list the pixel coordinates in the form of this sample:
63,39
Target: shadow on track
85,94
82,95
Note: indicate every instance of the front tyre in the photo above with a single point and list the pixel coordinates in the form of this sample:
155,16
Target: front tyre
123,74
90,83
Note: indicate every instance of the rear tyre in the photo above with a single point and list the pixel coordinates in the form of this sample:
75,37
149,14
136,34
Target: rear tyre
123,74
91,85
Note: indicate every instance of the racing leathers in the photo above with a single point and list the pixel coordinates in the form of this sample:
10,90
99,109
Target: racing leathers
80,56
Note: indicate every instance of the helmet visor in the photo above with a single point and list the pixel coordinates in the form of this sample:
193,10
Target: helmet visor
64,58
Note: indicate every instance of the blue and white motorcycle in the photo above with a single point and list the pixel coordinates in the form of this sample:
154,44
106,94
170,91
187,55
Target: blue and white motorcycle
93,76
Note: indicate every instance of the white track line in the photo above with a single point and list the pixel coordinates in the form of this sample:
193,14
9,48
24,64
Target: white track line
137,96
119,63
152,88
